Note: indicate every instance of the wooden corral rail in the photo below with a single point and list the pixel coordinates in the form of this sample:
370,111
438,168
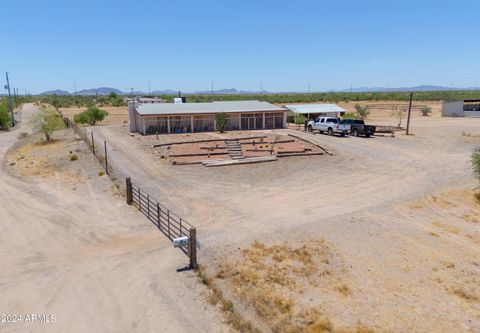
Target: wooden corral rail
393,107
170,224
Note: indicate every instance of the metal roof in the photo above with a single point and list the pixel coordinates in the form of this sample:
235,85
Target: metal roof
212,107
314,108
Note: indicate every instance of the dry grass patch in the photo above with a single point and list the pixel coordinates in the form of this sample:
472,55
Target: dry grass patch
271,279
447,227
33,158
468,294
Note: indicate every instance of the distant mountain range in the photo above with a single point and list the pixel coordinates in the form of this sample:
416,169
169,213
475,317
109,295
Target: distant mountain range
416,88
233,91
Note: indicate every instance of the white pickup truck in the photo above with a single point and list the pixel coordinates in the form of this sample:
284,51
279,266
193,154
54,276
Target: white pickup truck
330,125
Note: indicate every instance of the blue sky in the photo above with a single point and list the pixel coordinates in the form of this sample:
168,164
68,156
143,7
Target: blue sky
286,45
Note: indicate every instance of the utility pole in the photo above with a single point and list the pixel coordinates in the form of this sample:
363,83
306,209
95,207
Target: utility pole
149,90
409,112
15,100
10,106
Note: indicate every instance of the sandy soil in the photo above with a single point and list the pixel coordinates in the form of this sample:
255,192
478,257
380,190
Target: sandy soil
116,115
410,260
73,249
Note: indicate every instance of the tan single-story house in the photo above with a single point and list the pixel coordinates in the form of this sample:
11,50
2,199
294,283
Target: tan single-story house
163,118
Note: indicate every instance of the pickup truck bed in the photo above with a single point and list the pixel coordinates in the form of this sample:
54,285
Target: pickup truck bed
357,127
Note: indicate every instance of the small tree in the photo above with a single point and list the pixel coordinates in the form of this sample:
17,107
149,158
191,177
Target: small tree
221,120
91,116
46,122
399,114
362,111
426,110
56,103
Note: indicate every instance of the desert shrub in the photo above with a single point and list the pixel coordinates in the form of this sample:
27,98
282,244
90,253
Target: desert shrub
115,100
5,120
101,173
426,110
362,111
299,119
351,115
91,116
46,122
221,119
476,162
73,157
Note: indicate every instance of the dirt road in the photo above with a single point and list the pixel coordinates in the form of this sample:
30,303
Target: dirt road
378,201
74,250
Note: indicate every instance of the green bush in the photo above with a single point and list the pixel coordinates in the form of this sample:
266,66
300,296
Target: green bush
5,120
73,157
299,119
91,116
351,115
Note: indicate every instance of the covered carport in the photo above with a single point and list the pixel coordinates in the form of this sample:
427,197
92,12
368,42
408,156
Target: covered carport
312,111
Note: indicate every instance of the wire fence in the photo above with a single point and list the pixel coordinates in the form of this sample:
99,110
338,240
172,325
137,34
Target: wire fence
170,224
98,148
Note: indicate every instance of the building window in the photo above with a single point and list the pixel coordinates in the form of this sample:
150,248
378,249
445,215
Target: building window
232,122
203,123
180,124
273,120
156,125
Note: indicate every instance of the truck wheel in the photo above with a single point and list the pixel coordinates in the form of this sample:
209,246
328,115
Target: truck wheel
330,131
355,132
309,128
367,135
342,134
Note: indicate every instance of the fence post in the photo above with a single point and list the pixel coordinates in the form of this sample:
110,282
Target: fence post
158,215
129,191
148,206
192,250
106,158
168,224
93,145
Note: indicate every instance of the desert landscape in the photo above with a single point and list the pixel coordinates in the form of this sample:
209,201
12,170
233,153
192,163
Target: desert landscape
380,236
241,167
